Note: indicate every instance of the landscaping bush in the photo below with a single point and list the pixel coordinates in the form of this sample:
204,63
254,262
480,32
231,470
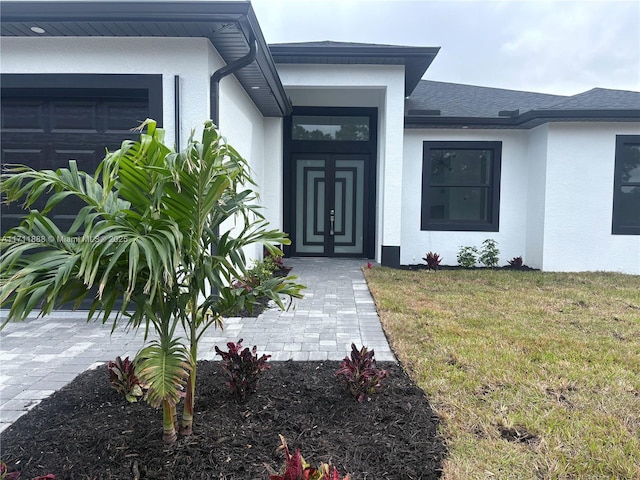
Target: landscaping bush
489,253
360,373
242,368
467,257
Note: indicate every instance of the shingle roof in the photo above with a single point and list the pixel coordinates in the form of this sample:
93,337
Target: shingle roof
439,104
601,98
457,100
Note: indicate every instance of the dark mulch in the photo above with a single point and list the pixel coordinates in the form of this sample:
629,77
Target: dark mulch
87,431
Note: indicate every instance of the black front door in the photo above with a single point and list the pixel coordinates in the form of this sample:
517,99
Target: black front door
330,210
330,181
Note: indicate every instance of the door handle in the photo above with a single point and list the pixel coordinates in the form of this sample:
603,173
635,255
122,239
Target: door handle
332,221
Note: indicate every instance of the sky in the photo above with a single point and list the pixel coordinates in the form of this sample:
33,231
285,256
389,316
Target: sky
562,47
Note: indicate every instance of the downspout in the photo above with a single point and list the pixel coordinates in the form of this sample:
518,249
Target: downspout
228,70
214,86
176,113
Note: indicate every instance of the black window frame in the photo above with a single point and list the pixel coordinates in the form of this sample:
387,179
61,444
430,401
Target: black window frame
493,225
617,223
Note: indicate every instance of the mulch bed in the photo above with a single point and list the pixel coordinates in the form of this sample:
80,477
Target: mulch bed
87,431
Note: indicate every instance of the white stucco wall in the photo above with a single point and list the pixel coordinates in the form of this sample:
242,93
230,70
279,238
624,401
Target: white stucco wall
363,86
536,196
186,57
272,180
259,141
193,59
579,200
511,236
556,199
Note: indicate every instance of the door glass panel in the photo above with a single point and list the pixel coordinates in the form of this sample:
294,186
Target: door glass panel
330,128
310,206
349,204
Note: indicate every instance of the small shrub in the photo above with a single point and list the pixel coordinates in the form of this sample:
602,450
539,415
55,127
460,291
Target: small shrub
259,273
273,261
242,368
123,379
467,256
296,468
516,262
489,253
360,373
433,261
6,475
262,270
247,292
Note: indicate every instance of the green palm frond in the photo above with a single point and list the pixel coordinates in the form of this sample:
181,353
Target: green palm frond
164,366
154,233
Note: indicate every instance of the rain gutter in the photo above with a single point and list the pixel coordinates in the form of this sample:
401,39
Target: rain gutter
225,71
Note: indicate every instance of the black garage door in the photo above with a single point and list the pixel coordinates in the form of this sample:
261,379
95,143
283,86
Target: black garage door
44,130
49,119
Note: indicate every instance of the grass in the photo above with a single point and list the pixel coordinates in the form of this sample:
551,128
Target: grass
535,375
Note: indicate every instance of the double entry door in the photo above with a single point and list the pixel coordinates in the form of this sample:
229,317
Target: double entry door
330,207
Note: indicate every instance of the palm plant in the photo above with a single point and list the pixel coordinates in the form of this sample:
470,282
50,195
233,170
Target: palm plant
155,234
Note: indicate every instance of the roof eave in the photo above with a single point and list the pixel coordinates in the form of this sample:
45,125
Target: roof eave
581,114
240,13
410,57
347,50
526,120
268,66
18,11
266,62
425,121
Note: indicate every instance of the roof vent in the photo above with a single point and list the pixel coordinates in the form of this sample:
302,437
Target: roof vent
508,113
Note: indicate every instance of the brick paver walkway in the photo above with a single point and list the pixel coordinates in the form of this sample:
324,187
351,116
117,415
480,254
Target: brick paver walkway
38,356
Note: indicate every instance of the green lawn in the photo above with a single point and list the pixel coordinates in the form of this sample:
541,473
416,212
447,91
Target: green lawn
534,375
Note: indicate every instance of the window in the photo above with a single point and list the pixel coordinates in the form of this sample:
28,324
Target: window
626,186
461,186
327,128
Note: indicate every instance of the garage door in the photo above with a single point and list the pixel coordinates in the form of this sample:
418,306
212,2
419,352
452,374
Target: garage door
45,128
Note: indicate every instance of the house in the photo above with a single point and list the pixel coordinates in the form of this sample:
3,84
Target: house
354,153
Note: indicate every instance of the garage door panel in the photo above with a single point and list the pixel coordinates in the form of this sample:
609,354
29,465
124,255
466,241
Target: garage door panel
24,115
37,158
119,116
85,159
24,156
74,116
